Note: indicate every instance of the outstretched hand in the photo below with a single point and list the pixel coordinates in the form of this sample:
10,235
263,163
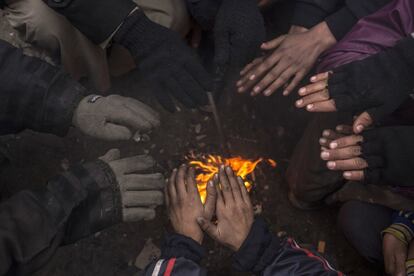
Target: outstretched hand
234,211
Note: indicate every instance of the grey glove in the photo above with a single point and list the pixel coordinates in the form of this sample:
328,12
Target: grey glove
113,117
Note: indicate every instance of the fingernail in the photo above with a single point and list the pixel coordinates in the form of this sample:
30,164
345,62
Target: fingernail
175,169
285,93
339,128
331,164
267,92
333,145
326,133
325,155
360,128
241,89
302,91
347,174
252,77
313,78
322,141
256,89
239,83
200,220
299,102
309,107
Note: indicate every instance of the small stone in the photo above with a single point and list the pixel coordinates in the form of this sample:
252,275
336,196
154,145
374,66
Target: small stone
97,234
148,254
200,137
153,146
211,252
197,128
206,118
258,209
65,164
141,138
266,187
146,151
162,151
201,145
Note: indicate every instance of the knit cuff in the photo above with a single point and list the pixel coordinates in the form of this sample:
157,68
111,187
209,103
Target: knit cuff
400,231
341,22
307,15
409,266
176,246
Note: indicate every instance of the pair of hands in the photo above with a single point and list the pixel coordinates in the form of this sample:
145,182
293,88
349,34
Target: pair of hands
114,117
396,253
227,198
290,57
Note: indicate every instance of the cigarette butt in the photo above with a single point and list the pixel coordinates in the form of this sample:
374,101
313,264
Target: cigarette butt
321,247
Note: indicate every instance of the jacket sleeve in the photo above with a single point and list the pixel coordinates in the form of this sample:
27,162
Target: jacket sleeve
35,94
340,15
33,223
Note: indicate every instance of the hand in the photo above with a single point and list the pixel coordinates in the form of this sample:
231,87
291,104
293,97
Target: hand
234,212
238,32
140,193
292,57
113,117
184,203
395,255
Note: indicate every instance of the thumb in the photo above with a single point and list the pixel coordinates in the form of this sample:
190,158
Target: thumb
362,122
272,44
210,205
208,227
111,155
114,132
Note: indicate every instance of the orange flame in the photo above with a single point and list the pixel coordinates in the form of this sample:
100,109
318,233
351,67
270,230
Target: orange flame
209,165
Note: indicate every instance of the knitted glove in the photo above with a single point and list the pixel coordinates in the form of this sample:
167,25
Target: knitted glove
204,12
169,64
238,33
389,153
378,84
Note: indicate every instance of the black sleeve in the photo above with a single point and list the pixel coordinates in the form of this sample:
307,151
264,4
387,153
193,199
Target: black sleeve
33,223
35,94
309,13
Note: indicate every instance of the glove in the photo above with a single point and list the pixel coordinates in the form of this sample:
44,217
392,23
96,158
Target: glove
113,117
204,12
131,197
402,226
170,66
238,33
389,153
378,84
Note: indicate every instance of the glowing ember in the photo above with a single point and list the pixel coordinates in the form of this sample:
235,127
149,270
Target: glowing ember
209,165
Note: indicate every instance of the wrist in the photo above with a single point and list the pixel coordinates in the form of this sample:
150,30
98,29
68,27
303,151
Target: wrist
177,245
323,36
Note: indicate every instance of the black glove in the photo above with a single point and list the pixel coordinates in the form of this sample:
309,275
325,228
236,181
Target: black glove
238,33
204,12
389,153
378,84
168,63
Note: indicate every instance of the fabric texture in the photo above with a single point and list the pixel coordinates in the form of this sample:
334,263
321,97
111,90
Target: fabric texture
204,12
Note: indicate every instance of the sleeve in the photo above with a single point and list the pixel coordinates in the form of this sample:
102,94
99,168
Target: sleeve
402,226
263,253
309,13
33,223
35,94
180,257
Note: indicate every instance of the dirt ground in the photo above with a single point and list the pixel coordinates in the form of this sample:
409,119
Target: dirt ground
255,127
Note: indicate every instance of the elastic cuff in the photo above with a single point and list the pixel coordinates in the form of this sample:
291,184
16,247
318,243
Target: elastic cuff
341,22
307,15
176,246
258,250
400,231
409,266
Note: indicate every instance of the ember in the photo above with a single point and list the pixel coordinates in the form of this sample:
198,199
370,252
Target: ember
209,165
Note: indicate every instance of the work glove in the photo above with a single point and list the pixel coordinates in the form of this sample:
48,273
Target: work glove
389,153
239,31
113,117
171,67
132,195
378,84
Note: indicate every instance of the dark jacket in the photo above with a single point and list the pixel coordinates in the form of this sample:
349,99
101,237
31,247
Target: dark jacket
340,15
262,253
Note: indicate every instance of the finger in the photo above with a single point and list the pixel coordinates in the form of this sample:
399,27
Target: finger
321,96
280,81
354,175
208,227
225,187
210,204
312,88
137,214
112,132
132,164
243,190
324,142
271,76
272,44
341,153
146,112
320,77
111,155
346,141
196,37
142,182
347,165
344,129
249,67
331,134
191,182
167,197
234,184
399,269
326,106
220,199
294,83
180,184
172,192
142,198
362,122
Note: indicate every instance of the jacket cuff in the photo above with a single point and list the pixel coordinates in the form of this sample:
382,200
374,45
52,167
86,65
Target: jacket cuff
341,22
306,15
258,250
176,246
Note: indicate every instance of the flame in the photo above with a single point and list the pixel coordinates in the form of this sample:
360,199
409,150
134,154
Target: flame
209,165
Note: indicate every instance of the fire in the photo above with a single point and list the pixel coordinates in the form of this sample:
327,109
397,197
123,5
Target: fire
209,165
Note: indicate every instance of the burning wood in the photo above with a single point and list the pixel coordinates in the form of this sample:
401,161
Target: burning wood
208,166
